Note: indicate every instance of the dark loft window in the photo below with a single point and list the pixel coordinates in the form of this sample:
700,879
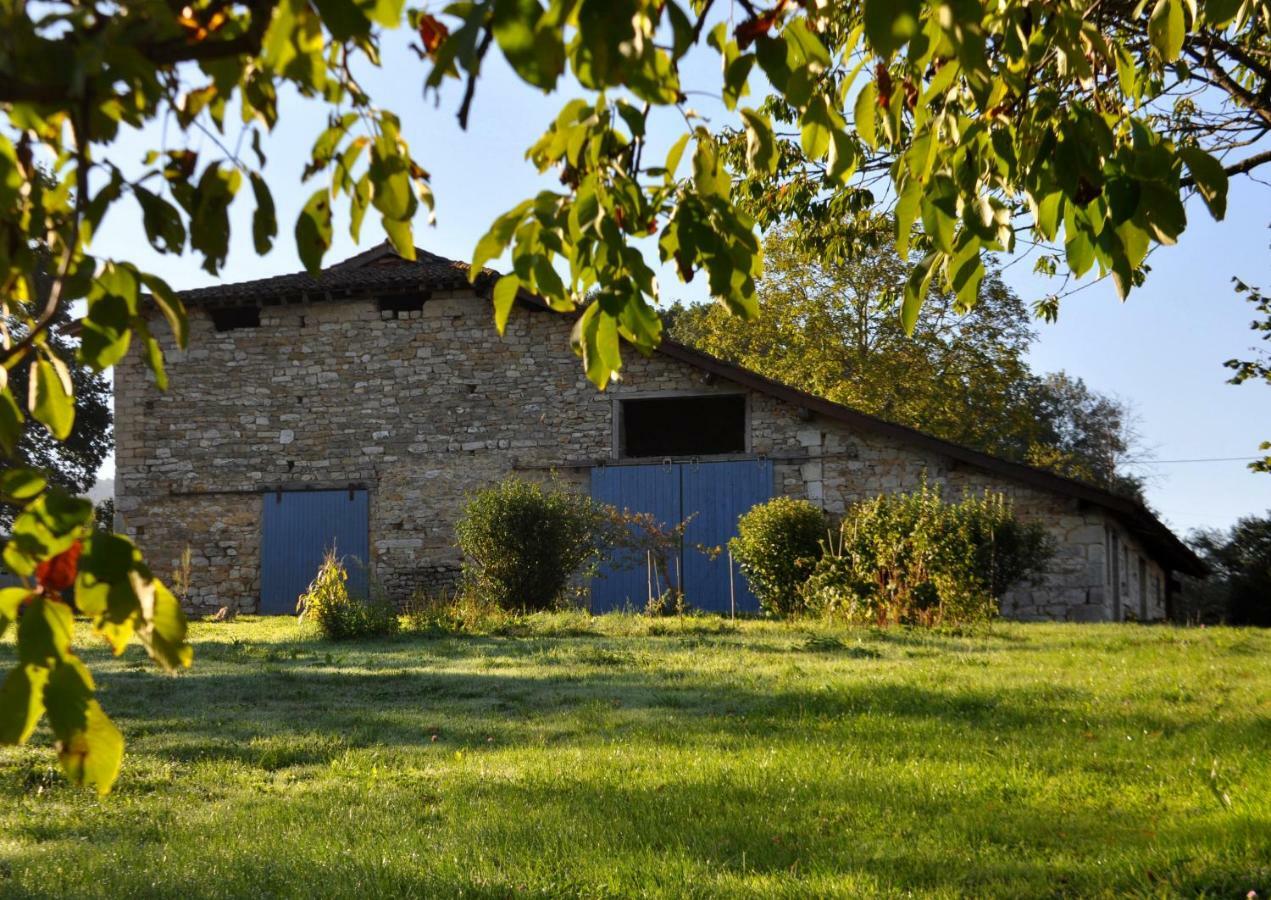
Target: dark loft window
684,426
400,303
227,318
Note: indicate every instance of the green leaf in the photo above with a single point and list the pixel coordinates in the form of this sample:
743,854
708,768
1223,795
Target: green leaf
11,599
11,420
889,24
44,632
1047,214
313,231
916,291
172,308
1164,212
817,129
89,745
163,628
865,114
52,399
1221,12
22,484
966,271
1167,28
595,339
843,159
906,211
21,702
264,219
505,291
761,143
535,52
209,219
496,240
709,175
939,207
1210,179
675,154
343,19
161,221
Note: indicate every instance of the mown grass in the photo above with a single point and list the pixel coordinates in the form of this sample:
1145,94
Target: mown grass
625,756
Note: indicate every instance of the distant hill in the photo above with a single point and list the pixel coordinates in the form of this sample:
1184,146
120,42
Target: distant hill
104,489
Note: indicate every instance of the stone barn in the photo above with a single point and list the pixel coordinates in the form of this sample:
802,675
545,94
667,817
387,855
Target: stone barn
362,407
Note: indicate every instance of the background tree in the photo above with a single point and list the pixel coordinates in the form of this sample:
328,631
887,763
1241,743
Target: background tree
1081,433
1258,368
71,464
962,374
1240,562
1081,123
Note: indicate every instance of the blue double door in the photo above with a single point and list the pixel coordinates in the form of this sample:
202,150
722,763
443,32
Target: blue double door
297,530
710,497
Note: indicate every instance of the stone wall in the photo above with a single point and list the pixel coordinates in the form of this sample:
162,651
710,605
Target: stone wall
425,407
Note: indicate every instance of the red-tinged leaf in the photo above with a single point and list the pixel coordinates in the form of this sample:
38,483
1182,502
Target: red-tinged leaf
58,573
432,32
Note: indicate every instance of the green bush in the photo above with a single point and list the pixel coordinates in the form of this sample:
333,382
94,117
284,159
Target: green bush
917,559
777,545
327,603
523,543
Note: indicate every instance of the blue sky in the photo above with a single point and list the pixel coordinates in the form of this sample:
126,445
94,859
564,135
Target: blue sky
1162,350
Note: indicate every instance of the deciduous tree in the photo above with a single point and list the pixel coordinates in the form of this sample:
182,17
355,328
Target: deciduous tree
834,330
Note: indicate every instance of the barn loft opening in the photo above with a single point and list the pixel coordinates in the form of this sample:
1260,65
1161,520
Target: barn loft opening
228,318
683,426
402,303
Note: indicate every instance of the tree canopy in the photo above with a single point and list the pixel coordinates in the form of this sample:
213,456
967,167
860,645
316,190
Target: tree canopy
979,124
835,330
1240,559
1258,368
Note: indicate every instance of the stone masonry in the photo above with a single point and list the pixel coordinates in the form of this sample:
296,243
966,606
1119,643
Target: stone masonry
423,407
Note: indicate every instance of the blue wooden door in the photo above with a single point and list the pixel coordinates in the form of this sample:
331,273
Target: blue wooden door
715,496
626,581
711,496
298,528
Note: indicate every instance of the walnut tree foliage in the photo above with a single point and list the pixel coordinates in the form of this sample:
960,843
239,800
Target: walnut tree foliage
990,121
1259,367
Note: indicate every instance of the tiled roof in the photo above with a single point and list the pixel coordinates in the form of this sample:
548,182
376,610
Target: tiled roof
379,269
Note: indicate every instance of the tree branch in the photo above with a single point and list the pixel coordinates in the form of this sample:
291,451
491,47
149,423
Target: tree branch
1248,164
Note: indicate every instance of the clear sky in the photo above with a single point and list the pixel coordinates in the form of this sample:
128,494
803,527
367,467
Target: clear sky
1162,351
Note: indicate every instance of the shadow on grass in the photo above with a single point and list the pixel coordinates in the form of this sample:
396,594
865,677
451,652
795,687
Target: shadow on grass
899,816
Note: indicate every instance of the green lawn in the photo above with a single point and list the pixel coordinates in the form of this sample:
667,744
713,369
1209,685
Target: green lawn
621,756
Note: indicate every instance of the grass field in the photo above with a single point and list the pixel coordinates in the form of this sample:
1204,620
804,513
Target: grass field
628,756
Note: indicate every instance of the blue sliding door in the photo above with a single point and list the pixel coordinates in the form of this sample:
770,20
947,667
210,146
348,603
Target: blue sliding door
711,496
297,530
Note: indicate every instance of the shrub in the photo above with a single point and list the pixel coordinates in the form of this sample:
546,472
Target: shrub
523,543
328,604
915,558
777,545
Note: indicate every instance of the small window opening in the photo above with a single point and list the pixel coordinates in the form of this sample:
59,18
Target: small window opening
228,318
683,426
402,303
